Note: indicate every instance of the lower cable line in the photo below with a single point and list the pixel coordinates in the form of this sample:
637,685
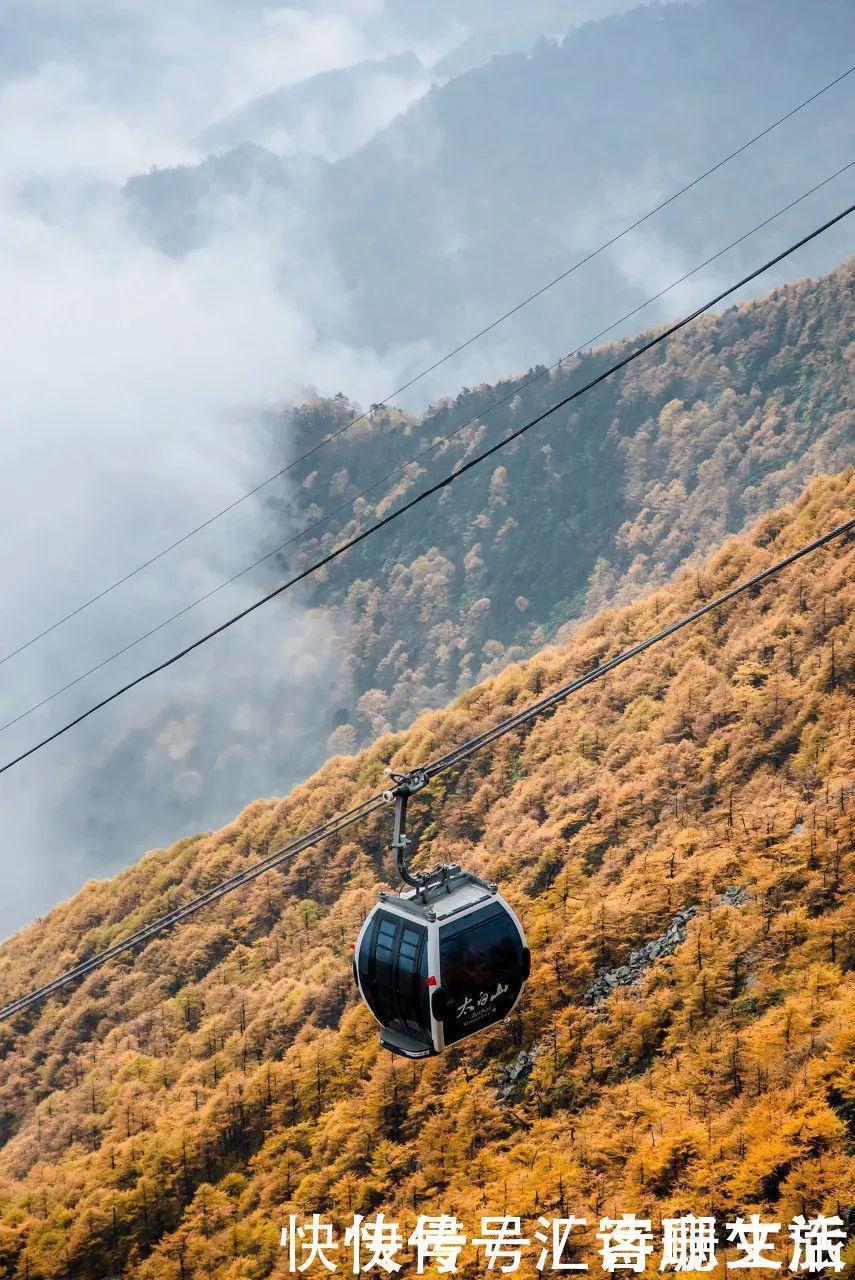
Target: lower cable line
414,781
165,922
433,489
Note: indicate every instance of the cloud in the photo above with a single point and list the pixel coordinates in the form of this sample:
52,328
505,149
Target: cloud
160,74
132,389
51,122
291,45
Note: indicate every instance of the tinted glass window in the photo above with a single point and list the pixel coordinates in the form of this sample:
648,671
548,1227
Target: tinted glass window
393,969
481,958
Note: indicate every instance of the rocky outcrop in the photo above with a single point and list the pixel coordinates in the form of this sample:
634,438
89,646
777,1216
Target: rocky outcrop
666,944
512,1077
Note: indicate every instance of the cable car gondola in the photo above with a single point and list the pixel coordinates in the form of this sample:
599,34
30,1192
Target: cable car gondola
443,960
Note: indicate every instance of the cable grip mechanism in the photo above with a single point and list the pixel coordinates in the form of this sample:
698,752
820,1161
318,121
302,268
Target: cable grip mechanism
406,784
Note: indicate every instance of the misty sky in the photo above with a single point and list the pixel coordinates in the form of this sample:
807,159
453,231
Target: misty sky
134,381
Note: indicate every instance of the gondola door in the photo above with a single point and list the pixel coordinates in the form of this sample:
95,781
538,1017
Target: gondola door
393,967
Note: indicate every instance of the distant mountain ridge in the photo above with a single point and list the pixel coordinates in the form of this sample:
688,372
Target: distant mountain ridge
507,173
303,117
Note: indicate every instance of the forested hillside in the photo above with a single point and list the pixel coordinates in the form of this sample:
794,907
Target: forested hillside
163,1119
693,441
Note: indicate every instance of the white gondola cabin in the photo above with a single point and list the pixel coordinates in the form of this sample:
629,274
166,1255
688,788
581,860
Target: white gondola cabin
444,960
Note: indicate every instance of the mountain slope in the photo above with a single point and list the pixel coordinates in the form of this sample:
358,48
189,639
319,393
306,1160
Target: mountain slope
503,177
165,1117
693,441
510,172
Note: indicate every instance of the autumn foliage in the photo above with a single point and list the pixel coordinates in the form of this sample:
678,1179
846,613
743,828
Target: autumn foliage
163,1118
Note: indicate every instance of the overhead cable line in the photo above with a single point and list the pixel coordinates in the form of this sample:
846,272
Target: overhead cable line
165,922
430,491
417,779
417,457
405,386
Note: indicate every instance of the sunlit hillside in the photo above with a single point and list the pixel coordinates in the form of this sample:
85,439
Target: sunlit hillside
165,1118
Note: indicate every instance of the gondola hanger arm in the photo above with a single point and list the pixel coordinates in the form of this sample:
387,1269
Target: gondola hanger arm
406,784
